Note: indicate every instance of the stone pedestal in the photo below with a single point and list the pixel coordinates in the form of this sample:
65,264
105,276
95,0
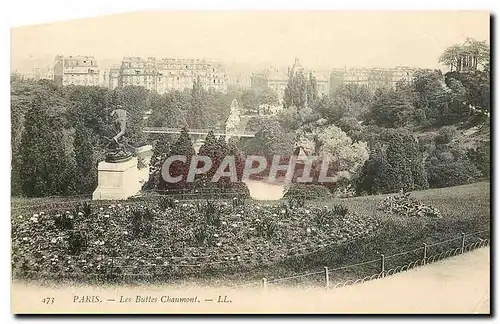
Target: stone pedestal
117,180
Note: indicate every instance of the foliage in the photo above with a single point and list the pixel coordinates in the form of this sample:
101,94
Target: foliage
446,134
48,169
252,98
300,91
448,165
306,191
269,140
391,108
404,205
481,157
395,163
237,253
469,55
330,143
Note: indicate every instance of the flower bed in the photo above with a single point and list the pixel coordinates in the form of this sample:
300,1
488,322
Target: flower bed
168,238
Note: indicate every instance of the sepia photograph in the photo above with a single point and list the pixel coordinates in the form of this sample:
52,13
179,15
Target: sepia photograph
251,162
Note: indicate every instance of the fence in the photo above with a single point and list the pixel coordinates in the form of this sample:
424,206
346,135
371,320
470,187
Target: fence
426,258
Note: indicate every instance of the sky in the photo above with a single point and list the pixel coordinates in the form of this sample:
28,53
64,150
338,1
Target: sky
320,39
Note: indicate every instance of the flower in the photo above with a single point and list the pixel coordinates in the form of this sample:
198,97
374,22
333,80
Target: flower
101,209
308,230
119,205
54,240
125,232
224,223
307,211
283,211
238,215
35,215
234,225
176,201
106,216
219,244
80,214
275,215
25,238
216,235
34,219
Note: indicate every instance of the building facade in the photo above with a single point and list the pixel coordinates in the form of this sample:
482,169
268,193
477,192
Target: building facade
167,74
76,70
277,79
372,78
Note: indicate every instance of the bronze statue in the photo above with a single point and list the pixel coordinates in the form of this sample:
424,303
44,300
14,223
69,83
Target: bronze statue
120,121
117,150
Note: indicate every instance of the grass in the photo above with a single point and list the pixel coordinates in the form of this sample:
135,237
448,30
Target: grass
464,209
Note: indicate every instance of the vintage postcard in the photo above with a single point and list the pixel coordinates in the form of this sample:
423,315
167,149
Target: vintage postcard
305,162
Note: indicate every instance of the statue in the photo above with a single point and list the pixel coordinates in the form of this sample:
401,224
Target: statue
118,149
234,119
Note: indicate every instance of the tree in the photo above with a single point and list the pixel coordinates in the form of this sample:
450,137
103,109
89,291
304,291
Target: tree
250,101
390,108
466,56
161,150
295,93
270,139
48,165
448,165
395,163
331,143
198,113
183,147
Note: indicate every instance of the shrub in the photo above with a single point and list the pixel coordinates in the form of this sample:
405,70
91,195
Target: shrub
306,191
166,202
446,134
64,221
449,166
77,242
142,221
340,210
481,157
403,205
395,163
211,213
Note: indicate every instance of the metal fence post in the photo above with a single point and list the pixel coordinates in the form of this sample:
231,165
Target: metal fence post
463,243
425,253
264,283
327,278
383,264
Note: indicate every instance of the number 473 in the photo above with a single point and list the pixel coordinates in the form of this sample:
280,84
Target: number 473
48,300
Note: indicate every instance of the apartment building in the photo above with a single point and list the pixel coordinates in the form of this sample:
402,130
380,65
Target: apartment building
166,74
76,70
372,78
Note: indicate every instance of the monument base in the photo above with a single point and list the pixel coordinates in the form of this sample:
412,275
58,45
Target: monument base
117,181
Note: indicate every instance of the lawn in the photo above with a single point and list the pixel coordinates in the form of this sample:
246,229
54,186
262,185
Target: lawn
249,240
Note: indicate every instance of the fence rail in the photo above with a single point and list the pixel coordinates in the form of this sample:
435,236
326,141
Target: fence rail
383,272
